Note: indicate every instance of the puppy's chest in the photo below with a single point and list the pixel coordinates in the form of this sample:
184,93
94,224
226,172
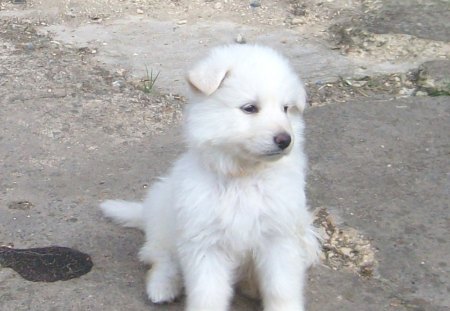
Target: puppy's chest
246,212
239,214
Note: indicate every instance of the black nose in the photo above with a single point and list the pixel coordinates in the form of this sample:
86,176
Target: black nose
282,140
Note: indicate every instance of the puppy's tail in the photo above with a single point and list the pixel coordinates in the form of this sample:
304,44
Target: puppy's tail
128,214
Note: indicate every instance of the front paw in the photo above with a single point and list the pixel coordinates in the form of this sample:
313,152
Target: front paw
162,288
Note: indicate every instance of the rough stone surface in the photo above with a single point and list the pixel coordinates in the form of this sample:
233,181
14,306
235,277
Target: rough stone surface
383,166
434,77
424,19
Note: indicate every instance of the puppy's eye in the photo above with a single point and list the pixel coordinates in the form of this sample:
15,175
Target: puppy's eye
249,108
285,108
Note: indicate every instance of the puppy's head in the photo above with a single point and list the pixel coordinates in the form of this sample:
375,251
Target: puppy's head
247,104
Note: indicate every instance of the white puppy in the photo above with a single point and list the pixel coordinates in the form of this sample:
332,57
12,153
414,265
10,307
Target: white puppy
233,206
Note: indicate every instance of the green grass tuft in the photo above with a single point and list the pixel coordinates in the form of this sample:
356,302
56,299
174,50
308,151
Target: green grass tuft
149,81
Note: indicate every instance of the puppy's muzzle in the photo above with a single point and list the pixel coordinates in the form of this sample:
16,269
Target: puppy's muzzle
282,140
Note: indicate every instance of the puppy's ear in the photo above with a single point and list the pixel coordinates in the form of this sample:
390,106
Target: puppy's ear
300,103
207,77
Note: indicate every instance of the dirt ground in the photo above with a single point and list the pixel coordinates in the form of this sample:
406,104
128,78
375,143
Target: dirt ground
79,112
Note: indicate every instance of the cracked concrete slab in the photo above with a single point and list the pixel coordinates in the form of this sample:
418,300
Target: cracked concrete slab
134,43
137,43
384,167
424,19
381,166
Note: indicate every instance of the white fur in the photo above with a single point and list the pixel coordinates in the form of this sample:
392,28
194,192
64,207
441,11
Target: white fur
233,206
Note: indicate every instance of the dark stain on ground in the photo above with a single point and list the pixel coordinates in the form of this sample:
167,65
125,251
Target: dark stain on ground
46,264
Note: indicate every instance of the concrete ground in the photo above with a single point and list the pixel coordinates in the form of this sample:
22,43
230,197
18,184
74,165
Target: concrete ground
75,129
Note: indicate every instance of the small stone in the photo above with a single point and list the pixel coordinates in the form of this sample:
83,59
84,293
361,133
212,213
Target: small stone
421,93
182,22
330,221
218,5
255,3
71,14
240,39
434,77
140,11
346,251
297,21
121,72
367,260
118,84
29,46
406,92
395,302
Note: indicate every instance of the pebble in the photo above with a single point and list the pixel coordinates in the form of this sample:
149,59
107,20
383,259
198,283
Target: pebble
118,84
434,77
121,71
297,21
421,93
346,251
182,22
29,46
240,39
367,259
218,5
71,14
140,11
255,3
406,91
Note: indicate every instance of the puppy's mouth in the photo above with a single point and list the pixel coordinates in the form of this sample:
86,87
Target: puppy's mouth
265,155
274,155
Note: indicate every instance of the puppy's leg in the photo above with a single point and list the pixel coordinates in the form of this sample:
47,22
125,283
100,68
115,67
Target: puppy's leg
281,272
208,280
164,281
